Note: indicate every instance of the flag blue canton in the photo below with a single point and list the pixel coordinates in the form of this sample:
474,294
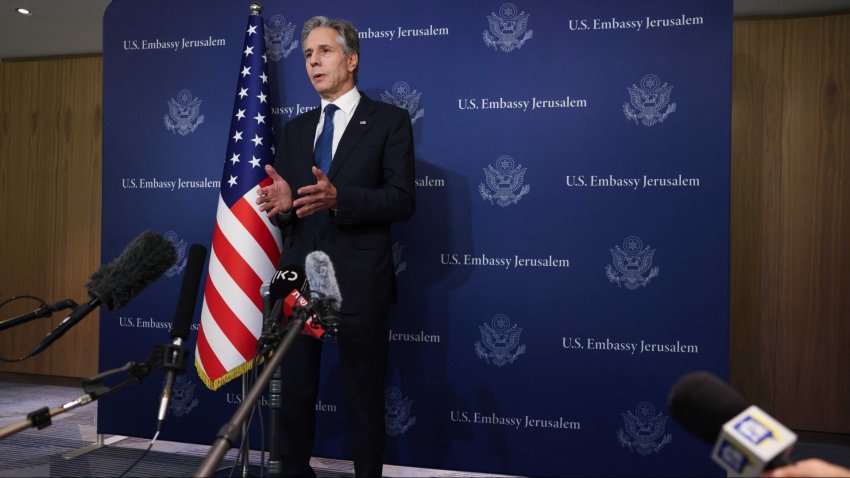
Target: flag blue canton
250,145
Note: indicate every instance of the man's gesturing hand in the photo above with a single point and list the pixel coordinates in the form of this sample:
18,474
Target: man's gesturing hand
318,197
277,197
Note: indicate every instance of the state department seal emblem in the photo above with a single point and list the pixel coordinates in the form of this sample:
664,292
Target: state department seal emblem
644,428
397,407
403,97
183,113
504,183
183,399
180,247
279,36
499,341
400,265
650,102
632,264
508,29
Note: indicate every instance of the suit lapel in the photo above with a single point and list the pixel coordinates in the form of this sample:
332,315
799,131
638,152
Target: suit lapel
357,127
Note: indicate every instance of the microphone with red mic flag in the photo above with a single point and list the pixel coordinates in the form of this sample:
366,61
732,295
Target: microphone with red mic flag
312,289
289,290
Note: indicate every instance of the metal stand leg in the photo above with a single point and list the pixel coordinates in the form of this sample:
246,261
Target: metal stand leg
246,449
275,464
100,443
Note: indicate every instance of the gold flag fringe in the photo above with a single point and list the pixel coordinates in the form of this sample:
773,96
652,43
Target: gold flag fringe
236,372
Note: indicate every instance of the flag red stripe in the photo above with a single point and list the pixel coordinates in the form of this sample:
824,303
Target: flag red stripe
240,337
254,224
212,366
243,275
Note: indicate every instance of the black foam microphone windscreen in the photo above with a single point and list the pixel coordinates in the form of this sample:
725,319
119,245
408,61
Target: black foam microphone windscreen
143,261
701,403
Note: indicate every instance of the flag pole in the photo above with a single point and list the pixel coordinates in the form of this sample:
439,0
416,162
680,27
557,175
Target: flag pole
256,9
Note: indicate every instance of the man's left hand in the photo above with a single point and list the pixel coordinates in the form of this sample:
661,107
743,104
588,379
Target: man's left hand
318,197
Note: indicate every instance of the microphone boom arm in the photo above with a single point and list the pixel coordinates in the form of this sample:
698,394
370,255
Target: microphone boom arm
228,434
94,389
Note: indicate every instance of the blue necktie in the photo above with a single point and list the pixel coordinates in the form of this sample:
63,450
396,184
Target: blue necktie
323,153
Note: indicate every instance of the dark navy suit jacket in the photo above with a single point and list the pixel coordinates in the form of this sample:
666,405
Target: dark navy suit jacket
373,172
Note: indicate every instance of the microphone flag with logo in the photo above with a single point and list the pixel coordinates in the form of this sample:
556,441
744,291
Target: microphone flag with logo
245,245
290,285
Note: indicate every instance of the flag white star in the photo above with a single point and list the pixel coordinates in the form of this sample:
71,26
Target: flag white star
272,149
240,114
264,77
243,92
258,140
232,181
255,162
246,70
249,50
265,60
252,30
260,118
235,158
237,136
262,97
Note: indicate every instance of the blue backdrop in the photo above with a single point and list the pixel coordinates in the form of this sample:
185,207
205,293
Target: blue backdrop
569,256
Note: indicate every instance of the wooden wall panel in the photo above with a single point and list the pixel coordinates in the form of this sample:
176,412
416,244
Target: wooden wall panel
78,176
50,188
28,195
790,229
754,267
814,286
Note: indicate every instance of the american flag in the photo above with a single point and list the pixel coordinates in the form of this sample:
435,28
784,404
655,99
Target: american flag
245,245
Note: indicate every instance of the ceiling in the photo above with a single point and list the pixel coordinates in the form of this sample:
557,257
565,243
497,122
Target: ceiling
72,27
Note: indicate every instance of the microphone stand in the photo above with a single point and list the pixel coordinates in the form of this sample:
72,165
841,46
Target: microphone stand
228,434
94,388
270,328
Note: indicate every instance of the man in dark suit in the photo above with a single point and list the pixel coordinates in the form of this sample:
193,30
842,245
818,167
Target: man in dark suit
346,172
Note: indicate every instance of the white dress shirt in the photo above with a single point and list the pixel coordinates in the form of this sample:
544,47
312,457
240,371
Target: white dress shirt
347,103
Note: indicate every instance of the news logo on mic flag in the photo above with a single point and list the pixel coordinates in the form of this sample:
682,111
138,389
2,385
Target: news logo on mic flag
245,245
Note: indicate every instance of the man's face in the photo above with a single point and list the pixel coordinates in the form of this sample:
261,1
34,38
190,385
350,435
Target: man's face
330,71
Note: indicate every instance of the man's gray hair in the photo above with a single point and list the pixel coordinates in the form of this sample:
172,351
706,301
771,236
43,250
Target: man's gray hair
346,35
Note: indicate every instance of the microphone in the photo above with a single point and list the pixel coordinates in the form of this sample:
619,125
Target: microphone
325,289
322,278
265,293
142,262
61,305
288,288
174,356
43,311
746,440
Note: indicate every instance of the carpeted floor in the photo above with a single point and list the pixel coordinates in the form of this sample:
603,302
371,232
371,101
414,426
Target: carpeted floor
40,453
